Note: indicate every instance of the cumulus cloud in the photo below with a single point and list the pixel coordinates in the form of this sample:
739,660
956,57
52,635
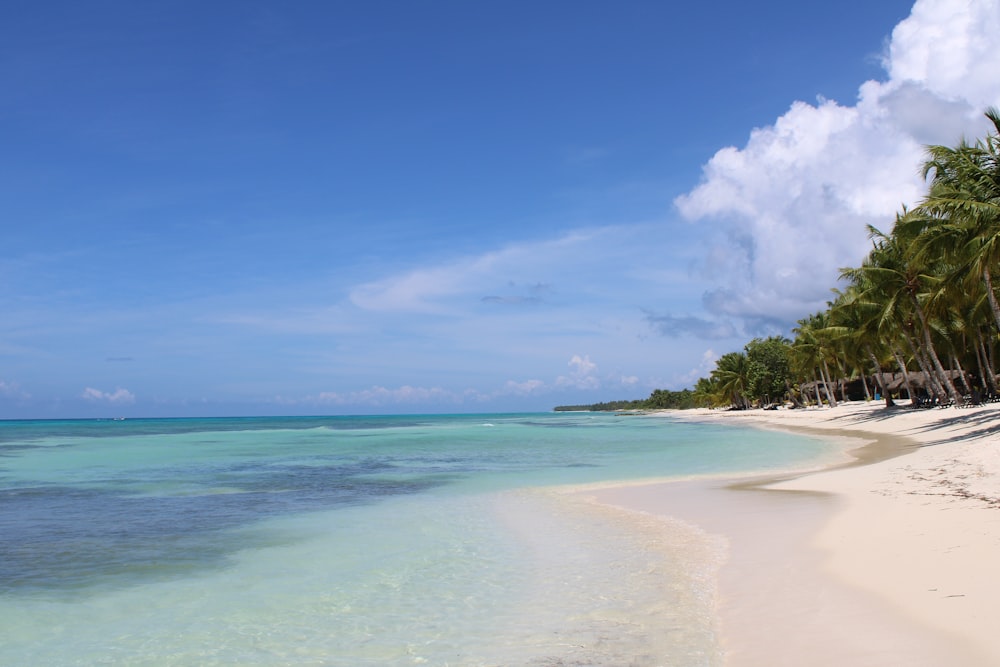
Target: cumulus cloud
794,201
704,368
582,365
582,374
950,48
118,396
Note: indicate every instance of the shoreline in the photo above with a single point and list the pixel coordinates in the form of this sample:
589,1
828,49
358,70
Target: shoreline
887,559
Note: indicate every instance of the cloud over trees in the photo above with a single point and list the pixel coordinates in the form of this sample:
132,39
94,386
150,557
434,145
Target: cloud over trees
791,206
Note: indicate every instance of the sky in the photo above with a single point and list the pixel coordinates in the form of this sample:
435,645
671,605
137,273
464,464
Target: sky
262,208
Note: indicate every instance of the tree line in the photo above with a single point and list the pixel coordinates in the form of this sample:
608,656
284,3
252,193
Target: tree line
660,399
918,319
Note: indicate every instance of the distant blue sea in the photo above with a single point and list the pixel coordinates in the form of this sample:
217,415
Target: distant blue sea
390,540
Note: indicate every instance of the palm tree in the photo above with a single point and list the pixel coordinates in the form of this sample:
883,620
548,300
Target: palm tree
925,292
964,199
731,379
810,351
706,393
900,284
854,322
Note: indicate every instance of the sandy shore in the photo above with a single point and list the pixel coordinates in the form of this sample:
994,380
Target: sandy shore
889,563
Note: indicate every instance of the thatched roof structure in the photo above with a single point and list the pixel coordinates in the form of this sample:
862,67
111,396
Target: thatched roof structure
918,380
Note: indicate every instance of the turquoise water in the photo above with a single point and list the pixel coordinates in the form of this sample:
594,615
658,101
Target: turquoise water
358,541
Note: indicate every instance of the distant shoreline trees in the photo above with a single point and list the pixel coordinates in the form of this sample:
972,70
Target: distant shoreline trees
660,399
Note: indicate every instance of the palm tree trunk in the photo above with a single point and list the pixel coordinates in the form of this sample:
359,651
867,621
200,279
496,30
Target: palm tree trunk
990,349
933,386
881,378
791,395
864,383
826,384
979,361
842,380
994,305
906,375
961,373
985,370
988,344
926,331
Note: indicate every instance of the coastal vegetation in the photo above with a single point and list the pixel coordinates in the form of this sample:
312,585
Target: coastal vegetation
919,316
660,399
918,319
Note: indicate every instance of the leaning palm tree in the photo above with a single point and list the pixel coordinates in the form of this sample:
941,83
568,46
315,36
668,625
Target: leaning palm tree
902,285
706,393
854,321
963,202
810,352
731,379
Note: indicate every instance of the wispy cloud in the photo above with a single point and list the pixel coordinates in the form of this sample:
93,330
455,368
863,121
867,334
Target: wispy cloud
584,155
380,396
674,326
512,300
523,388
520,295
118,396
436,289
12,390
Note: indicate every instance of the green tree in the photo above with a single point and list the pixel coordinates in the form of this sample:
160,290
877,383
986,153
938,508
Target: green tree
706,393
731,379
964,202
768,368
905,285
810,352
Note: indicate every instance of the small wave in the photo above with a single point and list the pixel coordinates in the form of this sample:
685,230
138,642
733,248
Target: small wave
489,424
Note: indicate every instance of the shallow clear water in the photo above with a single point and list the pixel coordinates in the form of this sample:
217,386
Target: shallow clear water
357,541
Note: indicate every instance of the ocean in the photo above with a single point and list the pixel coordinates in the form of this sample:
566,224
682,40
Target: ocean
356,541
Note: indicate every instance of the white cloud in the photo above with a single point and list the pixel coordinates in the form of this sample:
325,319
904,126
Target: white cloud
12,390
523,388
950,48
119,396
582,375
474,279
582,365
705,367
381,396
794,201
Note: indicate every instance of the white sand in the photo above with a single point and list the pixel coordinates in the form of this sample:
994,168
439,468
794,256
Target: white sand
890,563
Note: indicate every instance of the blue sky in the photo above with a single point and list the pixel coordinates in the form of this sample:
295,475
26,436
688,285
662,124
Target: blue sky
332,207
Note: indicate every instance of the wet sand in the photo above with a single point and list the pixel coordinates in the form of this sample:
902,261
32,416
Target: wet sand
887,560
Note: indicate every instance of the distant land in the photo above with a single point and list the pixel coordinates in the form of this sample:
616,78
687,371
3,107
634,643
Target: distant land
660,399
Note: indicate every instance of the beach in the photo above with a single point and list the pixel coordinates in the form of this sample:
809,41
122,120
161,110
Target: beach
887,559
